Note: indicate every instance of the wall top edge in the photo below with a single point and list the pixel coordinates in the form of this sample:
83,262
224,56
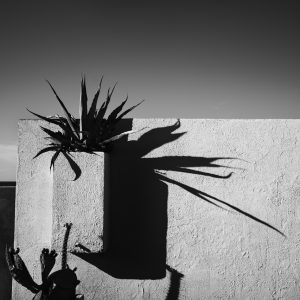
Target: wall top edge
193,119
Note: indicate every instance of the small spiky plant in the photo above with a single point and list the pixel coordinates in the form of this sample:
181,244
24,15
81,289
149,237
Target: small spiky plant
92,132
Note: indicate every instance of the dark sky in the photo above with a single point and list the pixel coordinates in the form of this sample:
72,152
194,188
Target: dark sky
201,59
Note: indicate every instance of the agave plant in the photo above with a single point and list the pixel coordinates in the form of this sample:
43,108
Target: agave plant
93,131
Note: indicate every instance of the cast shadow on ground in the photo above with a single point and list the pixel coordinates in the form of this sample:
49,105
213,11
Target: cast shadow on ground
137,222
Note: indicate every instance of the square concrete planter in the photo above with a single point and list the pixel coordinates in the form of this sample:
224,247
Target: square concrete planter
80,202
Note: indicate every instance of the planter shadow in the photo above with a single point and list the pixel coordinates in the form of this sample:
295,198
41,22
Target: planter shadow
136,225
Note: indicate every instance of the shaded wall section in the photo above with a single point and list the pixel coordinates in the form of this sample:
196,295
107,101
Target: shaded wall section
198,209
7,212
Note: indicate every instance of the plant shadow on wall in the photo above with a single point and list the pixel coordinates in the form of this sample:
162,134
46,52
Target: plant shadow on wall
138,200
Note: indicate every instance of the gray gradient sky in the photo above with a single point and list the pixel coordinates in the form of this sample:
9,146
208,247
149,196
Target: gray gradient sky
201,59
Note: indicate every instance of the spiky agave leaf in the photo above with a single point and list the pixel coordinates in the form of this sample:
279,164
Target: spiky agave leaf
55,121
93,109
103,128
73,165
67,114
57,136
111,122
91,126
113,89
116,111
118,136
61,122
103,108
54,157
50,148
83,110
129,110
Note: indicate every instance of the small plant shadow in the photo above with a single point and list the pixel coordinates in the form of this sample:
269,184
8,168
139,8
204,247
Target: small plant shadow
137,204
175,281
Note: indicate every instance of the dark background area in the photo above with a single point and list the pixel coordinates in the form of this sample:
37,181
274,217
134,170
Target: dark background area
7,214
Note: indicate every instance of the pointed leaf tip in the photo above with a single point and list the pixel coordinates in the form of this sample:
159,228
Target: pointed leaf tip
66,112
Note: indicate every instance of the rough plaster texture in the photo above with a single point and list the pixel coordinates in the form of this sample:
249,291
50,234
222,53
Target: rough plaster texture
79,203
33,211
163,189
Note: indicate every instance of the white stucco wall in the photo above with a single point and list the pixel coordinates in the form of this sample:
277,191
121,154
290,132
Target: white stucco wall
160,211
